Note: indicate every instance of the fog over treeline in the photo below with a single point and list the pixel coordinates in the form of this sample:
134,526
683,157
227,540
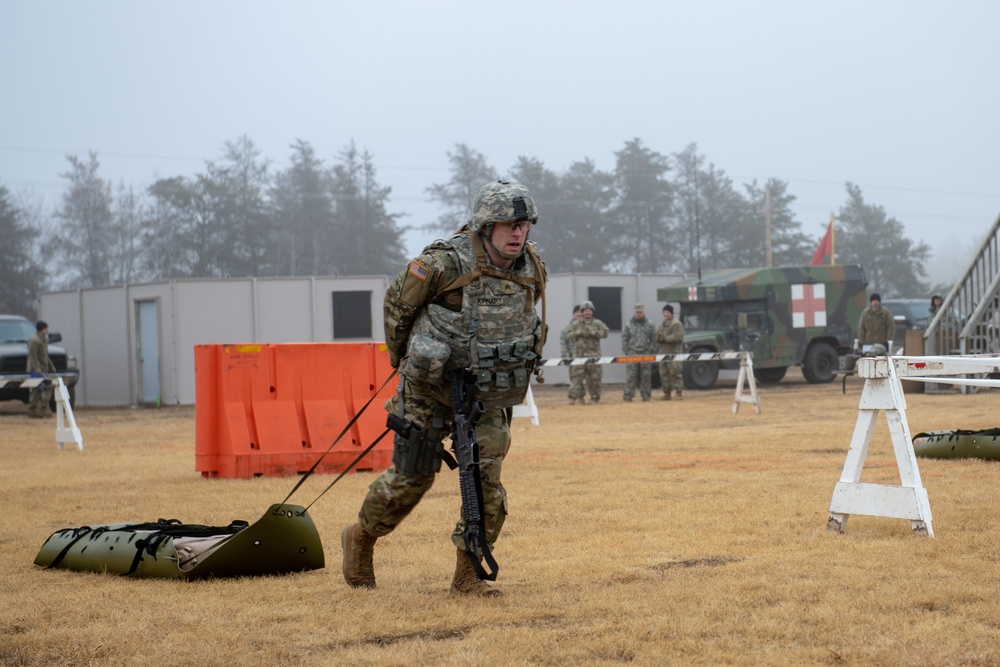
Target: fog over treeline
654,212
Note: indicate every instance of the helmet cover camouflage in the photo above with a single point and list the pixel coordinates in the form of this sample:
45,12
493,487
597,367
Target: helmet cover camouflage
502,201
587,304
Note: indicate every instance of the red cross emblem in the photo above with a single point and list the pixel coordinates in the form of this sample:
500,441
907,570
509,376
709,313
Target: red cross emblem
692,293
809,305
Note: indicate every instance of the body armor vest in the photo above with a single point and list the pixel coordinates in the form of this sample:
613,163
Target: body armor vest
497,334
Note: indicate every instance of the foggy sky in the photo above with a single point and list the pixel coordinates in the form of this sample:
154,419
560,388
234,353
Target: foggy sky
897,97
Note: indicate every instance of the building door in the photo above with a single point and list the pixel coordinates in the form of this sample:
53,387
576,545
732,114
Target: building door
147,350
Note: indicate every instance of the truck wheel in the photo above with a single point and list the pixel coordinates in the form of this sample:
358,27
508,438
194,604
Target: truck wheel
700,374
770,375
820,364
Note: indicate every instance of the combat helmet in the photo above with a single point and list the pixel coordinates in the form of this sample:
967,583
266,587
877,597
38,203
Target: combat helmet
587,304
502,201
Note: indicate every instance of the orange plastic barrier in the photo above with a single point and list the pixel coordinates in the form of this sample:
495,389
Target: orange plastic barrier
273,410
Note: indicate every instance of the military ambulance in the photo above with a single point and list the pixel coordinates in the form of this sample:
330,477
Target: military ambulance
792,316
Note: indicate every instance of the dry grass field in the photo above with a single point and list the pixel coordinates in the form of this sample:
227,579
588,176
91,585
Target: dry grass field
639,533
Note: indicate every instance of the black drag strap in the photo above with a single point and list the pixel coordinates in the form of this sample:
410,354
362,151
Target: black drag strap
350,467
337,439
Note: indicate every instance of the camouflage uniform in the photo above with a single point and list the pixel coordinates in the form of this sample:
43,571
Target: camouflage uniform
39,363
639,337
585,336
567,351
506,313
393,495
670,336
876,326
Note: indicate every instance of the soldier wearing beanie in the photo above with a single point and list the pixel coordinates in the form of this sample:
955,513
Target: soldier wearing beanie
876,325
670,336
40,365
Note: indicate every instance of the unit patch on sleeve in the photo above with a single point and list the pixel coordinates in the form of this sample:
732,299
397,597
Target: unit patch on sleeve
418,270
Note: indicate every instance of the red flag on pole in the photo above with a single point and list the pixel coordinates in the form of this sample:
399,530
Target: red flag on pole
825,247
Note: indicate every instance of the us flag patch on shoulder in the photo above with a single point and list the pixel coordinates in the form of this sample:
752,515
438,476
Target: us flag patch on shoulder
418,270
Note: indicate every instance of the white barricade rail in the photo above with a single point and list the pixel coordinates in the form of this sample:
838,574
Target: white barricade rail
745,376
883,391
64,411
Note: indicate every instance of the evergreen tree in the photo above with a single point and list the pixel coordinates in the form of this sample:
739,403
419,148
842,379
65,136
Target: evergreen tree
894,265
642,213
236,188
368,238
180,239
789,245
21,273
303,215
546,192
579,238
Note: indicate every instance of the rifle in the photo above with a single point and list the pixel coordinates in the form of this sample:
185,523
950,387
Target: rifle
470,483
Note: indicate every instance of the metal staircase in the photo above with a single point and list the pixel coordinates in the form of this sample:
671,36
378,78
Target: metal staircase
968,321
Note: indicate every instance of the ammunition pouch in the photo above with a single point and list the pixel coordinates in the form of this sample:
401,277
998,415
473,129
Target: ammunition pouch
504,370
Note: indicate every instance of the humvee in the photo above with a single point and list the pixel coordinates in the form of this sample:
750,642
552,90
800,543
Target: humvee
787,316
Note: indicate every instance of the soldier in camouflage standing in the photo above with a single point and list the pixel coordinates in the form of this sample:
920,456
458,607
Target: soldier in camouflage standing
876,326
40,365
566,351
585,336
639,337
670,336
467,303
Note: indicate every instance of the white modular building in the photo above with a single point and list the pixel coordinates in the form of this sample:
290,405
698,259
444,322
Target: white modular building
135,343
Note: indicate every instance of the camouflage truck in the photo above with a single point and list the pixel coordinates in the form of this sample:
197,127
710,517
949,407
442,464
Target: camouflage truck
788,316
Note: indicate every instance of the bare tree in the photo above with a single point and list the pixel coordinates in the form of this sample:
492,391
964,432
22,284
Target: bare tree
469,172
85,238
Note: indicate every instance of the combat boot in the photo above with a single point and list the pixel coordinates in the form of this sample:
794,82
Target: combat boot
358,547
680,395
467,583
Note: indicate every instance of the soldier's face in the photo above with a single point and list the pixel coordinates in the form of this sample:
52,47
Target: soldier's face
588,313
510,236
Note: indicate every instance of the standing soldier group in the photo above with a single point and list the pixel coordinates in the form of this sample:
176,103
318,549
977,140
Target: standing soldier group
582,338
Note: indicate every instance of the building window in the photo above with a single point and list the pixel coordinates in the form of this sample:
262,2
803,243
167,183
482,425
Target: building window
607,305
352,315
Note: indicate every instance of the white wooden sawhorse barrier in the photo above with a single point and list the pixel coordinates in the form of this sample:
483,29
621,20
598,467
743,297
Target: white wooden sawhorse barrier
884,392
64,413
746,378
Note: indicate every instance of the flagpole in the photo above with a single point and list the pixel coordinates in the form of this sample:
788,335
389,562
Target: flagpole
833,241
